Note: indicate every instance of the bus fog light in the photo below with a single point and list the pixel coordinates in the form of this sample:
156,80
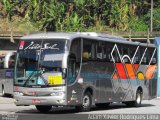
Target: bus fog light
18,94
57,93
15,101
61,101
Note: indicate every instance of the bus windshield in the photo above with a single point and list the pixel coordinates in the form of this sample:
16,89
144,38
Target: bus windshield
36,60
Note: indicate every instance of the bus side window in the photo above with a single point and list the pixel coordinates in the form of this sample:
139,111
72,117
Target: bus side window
1,62
87,50
152,56
132,52
71,65
99,54
76,49
125,51
11,61
74,60
117,55
142,52
107,52
137,56
73,68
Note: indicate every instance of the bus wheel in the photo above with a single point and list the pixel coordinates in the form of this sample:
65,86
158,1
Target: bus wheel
137,101
43,108
102,105
3,92
86,103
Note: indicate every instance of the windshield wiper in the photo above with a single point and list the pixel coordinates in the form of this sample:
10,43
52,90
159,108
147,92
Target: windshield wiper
45,82
38,74
28,79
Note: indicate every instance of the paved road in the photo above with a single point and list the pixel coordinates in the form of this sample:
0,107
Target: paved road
9,110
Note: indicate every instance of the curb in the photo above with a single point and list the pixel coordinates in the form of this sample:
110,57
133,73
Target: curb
158,98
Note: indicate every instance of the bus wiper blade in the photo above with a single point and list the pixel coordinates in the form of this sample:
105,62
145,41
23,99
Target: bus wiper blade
45,82
28,79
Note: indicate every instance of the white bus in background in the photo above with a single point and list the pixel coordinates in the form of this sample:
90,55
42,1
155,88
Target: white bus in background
7,61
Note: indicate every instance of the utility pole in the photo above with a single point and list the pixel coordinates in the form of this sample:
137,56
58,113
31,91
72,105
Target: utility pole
151,26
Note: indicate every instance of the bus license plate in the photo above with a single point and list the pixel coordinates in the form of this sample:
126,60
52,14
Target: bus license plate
36,101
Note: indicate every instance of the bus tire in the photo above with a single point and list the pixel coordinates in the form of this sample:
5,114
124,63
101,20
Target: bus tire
102,105
43,108
86,103
3,91
137,101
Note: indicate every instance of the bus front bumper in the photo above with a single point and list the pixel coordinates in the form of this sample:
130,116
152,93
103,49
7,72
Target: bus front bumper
42,100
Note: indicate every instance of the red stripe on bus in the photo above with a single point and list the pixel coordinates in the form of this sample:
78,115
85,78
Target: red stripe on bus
121,71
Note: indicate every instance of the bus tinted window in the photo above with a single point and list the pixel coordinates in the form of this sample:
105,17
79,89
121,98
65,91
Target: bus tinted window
152,56
76,49
1,62
143,55
107,51
116,53
137,56
74,61
99,53
124,51
87,50
11,61
132,52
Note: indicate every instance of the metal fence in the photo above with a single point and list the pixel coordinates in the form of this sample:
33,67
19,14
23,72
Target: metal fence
130,35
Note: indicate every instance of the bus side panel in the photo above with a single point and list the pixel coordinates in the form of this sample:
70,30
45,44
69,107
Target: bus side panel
124,90
98,75
9,74
0,86
2,79
74,94
147,75
6,79
152,88
153,85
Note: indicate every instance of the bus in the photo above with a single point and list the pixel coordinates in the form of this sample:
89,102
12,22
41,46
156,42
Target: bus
83,69
7,61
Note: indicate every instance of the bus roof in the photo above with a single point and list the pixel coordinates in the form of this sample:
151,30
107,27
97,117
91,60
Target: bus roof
88,35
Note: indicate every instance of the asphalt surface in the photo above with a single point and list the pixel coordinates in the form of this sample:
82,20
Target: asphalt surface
8,111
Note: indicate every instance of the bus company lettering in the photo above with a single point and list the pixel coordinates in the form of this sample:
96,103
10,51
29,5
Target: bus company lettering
33,45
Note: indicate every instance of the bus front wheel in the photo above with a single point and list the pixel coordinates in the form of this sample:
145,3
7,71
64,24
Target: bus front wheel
86,103
43,108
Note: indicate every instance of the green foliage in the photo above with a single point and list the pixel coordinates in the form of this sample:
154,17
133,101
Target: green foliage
156,19
54,16
24,25
136,24
80,15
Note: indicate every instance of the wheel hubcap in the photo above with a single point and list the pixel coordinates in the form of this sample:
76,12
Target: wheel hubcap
138,98
86,101
2,91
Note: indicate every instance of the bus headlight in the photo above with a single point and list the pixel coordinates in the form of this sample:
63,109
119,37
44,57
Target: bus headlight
57,93
18,94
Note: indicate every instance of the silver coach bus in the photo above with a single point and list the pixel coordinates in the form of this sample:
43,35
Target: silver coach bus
7,62
83,69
